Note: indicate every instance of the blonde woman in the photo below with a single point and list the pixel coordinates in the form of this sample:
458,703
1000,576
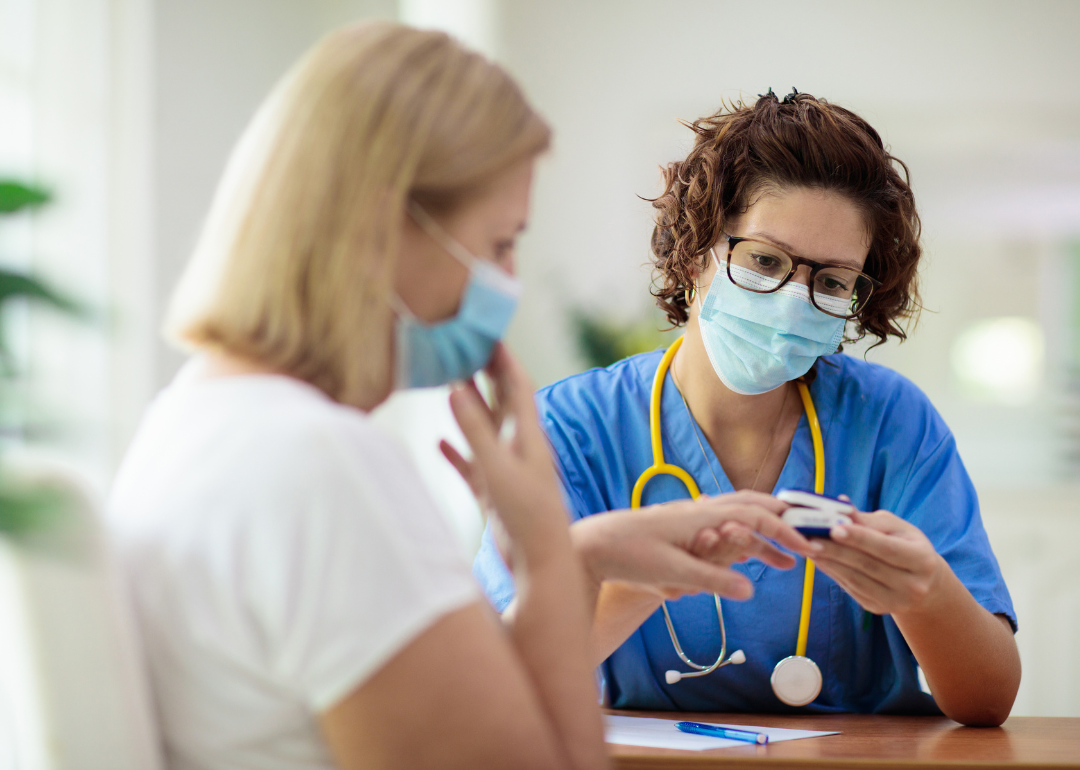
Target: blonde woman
302,603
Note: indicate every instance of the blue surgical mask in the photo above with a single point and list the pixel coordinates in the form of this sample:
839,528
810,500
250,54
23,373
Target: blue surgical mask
757,342
431,354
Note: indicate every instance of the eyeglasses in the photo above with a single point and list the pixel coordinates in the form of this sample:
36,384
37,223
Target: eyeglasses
760,267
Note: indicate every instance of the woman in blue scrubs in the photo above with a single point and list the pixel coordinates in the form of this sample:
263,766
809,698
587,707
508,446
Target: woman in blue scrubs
786,230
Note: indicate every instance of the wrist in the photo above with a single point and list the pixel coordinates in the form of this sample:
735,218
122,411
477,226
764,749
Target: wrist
587,546
544,546
936,599
557,572
591,540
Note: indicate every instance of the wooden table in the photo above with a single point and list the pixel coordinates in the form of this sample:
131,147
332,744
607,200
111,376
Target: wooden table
873,742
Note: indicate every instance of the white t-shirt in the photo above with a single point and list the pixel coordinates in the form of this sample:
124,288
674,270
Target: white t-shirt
280,548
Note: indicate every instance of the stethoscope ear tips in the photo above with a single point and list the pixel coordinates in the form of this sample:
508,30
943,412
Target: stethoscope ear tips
734,659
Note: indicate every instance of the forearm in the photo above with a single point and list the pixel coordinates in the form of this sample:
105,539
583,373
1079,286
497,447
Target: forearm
549,627
618,609
968,655
621,608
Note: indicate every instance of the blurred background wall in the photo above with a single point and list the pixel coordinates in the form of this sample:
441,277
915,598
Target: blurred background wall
129,108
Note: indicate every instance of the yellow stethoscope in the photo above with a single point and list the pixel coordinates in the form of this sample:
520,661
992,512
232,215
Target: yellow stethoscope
796,680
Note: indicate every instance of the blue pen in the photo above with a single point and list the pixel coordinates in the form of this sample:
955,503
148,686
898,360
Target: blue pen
697,728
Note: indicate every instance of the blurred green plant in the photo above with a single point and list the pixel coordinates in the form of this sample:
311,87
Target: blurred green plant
603,341
25,508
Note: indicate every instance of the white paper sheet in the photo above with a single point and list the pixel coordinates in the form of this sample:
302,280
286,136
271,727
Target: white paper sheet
662,734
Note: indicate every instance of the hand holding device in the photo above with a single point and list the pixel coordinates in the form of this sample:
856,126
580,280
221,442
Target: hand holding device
887,564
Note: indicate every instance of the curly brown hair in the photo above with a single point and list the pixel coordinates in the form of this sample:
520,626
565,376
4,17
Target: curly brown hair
801,141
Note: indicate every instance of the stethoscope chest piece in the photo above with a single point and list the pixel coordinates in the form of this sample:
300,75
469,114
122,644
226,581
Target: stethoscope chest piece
796,680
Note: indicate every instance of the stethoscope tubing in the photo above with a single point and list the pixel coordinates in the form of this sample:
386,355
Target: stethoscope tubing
661,468
701,670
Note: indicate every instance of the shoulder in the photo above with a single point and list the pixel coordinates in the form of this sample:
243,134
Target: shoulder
605,390
878,403
256,449
318,431
294,439
294,425
325,460
861,383
595,422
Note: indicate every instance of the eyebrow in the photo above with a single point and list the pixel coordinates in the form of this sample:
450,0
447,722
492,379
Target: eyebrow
777,242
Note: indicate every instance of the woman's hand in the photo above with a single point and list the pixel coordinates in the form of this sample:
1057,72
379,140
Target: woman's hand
887,564
686,547
514,478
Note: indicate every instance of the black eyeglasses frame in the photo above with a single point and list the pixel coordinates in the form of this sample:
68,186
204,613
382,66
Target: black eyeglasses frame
796,262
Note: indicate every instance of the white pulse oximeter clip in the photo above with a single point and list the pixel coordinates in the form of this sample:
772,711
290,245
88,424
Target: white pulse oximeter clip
814,515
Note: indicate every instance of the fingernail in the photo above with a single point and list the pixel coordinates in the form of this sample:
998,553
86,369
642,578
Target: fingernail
838,533
816,547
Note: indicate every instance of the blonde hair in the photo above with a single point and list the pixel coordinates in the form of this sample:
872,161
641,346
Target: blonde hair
295,264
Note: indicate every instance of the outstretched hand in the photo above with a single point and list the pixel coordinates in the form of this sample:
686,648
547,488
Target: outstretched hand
687,547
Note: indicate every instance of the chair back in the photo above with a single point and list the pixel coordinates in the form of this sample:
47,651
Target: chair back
73,688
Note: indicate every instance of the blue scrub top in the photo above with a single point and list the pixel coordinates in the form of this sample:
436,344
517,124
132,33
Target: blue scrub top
885,446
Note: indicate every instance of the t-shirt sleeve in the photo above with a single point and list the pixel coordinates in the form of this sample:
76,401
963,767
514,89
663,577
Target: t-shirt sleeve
938,497
346,573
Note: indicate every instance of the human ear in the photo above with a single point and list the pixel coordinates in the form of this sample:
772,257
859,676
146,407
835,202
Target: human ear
706,265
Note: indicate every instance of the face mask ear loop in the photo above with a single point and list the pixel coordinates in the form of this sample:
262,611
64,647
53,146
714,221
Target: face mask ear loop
697,292
400,309
440,236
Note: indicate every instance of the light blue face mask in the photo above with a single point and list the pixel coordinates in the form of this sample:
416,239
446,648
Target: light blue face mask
431,354
757,342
